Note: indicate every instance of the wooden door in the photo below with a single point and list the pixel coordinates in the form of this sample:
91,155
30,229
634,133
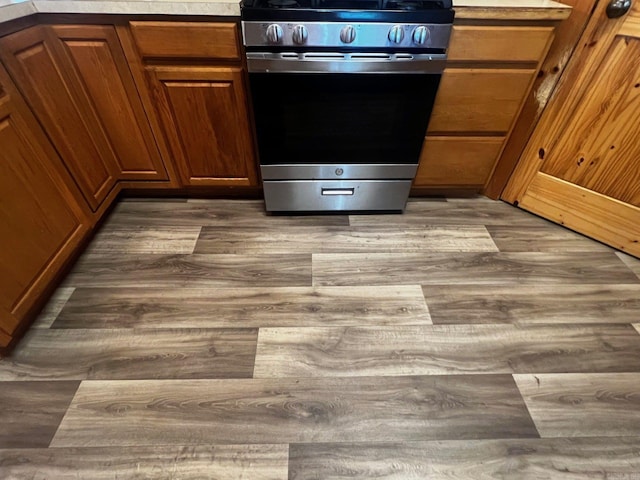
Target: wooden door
41,220
52,90
205,119
581,167
95,54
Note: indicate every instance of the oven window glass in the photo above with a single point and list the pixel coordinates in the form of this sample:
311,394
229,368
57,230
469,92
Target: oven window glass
341,118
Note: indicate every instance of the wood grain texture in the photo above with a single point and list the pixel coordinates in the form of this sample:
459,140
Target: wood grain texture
184,412
524,459
243,307
631,262
445,349
53,307
130,354
424,212
457,160
468,268
217,213
215,462
479,100
340,239
191,270
583,405
547,238
132,240
31,412
528,304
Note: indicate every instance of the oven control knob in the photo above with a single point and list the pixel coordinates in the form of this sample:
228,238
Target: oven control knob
396,34
300,34
348,34
421,35
274,33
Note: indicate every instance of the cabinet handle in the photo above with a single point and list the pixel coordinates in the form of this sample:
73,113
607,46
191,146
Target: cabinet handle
618,8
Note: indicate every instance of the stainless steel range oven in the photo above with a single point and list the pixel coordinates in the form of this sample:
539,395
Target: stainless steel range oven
342,91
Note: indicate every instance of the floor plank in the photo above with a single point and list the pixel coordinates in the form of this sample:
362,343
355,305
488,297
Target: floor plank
522,459
341,239
632,262
182,412
467,211
445,349
243,307
211,212
583,405
191,271
31,412
469,268
525,304
545,238
53,307
132,354
144,239
213,462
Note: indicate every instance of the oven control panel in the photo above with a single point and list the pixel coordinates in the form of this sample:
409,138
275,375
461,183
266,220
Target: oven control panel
336,34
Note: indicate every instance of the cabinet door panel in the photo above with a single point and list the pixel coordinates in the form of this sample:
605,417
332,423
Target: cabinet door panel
205,118
479,100
98,59
41,220
30,57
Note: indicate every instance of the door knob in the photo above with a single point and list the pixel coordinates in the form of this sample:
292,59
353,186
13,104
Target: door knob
618,8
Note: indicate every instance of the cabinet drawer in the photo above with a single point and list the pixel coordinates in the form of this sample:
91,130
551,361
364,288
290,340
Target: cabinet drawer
479,100
457,160
499,44
187,39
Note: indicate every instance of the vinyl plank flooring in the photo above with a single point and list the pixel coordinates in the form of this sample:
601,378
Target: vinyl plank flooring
181,412
525,304
632,262
132,354
583,405
243,307
31,412
522,459
445,349
171,271
469,268
213,212
213,462
545,238
53,307
143,239
341,239
468,211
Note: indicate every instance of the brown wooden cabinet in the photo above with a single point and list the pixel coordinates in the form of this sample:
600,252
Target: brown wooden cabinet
198,96
42,215
490,72
77,81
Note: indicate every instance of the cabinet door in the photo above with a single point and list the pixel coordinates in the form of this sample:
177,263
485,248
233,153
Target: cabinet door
53,92
95,53
41,218
581,167
205,119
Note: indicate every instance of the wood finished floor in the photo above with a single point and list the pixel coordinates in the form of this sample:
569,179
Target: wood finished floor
205,339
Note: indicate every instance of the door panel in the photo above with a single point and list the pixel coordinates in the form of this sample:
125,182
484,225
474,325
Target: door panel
99,61
580,167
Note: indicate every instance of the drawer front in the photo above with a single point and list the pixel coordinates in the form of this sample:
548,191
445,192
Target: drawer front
457,160
499,44
187,39
309,196
479,100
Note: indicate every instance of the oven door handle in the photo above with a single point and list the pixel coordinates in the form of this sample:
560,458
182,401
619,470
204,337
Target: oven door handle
336,62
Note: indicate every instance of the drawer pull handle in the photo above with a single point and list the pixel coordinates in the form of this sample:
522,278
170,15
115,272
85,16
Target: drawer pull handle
338,191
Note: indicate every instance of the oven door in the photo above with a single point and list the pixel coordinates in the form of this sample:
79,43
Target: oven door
344,120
